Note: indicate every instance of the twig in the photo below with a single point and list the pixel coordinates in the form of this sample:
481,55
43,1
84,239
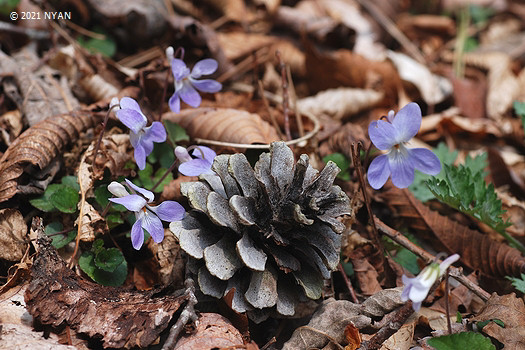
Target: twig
392,29
348,284
447,306
286,110
188,314
455,272
359,169
267,105
402,314
298,118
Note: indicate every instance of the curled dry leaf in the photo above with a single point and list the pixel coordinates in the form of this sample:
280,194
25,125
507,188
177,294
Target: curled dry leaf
38,146
10,126
224,124
43,95
433,88
340,103
213,331
73,65
13,232
477,251
120,318
329,322
168,256
511,311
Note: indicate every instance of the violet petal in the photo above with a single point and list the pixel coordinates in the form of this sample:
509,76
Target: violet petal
174,103
132,202
378,172
425,160
169,211
402,169
382,134
153,225
189,95
137,234
134,120
407,122
179,69
206,85
204,67
140,156
195,167
148,194
209,154
155,132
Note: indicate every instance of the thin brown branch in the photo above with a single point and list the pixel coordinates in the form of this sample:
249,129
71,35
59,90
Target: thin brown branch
286,109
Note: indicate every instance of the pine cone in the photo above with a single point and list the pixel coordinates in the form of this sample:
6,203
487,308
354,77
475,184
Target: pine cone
270,232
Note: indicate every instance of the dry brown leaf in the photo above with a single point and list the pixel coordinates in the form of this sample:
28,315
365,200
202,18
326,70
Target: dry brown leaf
234,10
13,233
477,251
433,88
365,273
345,68
511,311
340,103
353,337
402,339
503,86
213,331
10,126
171,263
240,44
118,317
43,94
38,146
224,124
330,320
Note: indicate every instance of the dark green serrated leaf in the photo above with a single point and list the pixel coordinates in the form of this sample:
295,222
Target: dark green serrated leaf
65,199
109,259
464,188
176,133
61,240
461,341
518,283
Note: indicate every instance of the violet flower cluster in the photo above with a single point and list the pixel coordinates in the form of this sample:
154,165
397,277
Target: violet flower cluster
142,137
147,217
187,82
417,288
399,161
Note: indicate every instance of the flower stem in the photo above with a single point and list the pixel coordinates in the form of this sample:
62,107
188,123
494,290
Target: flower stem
97,147
165,174
447,306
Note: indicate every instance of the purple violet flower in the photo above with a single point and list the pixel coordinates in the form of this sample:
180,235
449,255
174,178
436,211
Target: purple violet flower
195,166
147,217
417,288
141,137
186,81
399,161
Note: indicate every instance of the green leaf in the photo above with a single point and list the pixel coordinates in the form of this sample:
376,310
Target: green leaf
482,324
65,199
408,260
163,154
342,162
71,181
113,220
461,341
176,133
145,175
464,188
43,202
518,283
348,268
107,46
6,6
459,318
91,262
62,240
158,174
109,259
